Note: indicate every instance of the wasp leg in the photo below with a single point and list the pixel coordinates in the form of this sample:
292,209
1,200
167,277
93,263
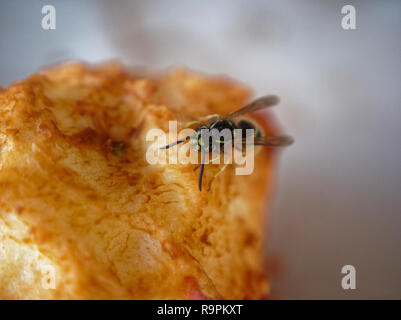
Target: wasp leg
210,116
201,120
220,171
210,161
192,123
215,158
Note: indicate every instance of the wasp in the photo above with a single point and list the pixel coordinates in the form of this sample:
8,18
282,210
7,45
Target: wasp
206,144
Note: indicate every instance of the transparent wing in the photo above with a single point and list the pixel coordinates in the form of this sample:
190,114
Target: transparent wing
261,103
276,141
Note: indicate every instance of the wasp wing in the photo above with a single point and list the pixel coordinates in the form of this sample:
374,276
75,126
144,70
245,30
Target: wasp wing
261,103
274,141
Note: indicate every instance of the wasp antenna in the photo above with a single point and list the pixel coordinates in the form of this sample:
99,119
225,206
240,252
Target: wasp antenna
175,143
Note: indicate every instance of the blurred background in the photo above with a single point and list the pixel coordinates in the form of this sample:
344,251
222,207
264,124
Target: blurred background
338,195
